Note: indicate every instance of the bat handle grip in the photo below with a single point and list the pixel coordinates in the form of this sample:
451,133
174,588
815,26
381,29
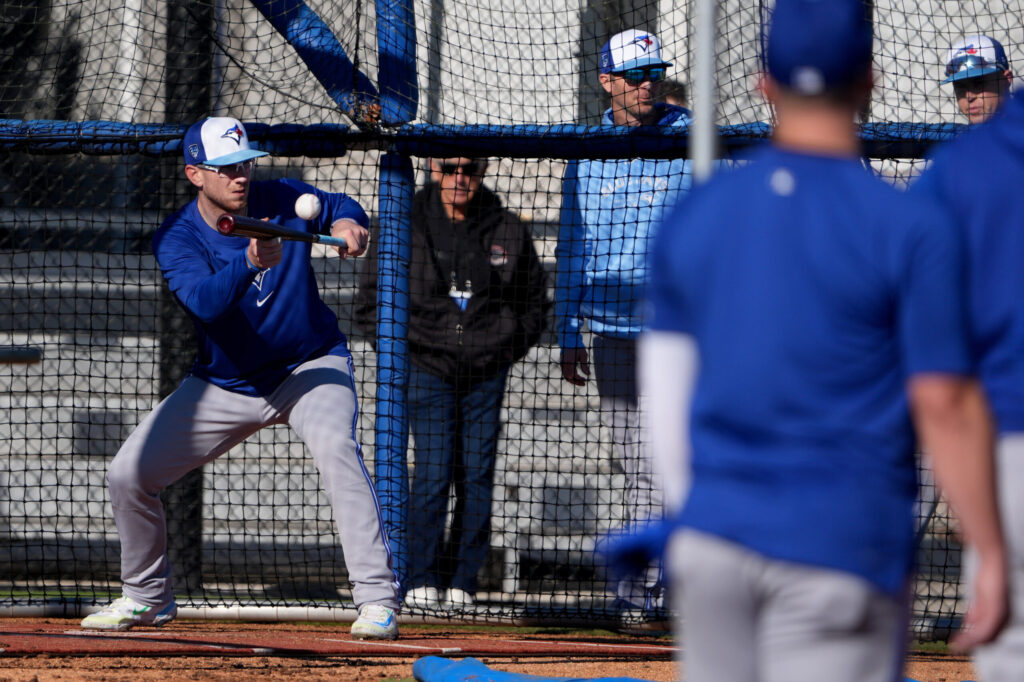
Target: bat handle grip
331,241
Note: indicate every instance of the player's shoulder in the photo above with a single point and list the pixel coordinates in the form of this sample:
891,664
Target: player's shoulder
186,218
913,206
908,220
891,206
180,228
945,160
705,203
283,187
278,195
174,218
997,142
673,115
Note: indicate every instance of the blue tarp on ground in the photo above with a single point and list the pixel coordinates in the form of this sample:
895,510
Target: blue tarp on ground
438,669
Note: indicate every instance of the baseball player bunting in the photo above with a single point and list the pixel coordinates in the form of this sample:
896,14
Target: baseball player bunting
269,352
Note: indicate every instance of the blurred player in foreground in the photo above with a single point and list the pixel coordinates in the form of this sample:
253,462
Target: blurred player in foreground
609,210
270,352
980,73
814,314
976,180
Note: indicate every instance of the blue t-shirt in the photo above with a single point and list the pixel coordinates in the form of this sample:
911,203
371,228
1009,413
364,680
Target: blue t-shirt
813,291
976,180
253,328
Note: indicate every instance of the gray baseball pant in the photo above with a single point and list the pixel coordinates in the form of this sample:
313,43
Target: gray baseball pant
199,422
1003,659
615,367
747,618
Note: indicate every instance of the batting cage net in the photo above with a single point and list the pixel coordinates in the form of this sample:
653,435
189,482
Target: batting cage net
355,97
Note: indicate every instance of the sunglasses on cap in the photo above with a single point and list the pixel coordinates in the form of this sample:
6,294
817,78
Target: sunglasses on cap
969,62
638,76
233,169
469,168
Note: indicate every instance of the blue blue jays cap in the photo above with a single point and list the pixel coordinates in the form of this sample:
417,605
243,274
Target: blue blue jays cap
632,49
975,56
815,46
218,141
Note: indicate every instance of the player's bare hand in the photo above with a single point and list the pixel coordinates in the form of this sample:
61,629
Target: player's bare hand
988,609
355,235
575,365
265,253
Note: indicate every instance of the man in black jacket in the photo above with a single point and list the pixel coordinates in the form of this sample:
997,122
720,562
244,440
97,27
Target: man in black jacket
477,302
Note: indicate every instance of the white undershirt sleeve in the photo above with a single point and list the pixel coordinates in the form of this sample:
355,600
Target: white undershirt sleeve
667,372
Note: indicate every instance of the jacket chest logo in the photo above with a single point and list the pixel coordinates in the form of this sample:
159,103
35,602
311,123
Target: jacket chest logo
258,283
499,256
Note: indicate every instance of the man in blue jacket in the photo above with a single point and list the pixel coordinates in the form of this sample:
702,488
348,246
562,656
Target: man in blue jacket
609,211
976,180
269,352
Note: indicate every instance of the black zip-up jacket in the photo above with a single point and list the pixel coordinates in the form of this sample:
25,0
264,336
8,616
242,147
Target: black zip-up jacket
487,262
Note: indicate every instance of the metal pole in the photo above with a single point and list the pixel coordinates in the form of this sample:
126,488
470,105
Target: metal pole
705,137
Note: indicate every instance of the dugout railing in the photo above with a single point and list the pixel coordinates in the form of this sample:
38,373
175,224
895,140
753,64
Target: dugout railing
90,144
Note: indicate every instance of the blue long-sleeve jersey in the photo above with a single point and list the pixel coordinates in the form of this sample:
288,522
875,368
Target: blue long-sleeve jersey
253,328
976,180
610,209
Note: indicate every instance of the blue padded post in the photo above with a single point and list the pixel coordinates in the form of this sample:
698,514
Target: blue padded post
317,46
391,429
396,54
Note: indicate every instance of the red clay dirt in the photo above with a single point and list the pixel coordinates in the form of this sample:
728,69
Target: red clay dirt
197,638
57,649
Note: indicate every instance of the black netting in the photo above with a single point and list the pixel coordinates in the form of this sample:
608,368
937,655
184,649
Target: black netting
94,97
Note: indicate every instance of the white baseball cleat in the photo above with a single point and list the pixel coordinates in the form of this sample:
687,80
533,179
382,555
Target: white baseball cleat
460,600
423,598
375,622
125,613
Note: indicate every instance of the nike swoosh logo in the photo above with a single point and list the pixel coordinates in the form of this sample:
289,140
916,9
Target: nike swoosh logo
261,301
139,612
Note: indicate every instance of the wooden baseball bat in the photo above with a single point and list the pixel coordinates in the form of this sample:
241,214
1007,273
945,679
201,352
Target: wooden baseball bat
243,226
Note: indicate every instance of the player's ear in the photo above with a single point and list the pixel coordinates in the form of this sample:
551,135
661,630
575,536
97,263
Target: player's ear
194,176
606,81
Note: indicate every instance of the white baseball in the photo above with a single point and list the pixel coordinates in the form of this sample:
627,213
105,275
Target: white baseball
307,206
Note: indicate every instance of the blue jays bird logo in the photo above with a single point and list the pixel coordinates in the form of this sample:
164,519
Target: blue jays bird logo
235,133
643,42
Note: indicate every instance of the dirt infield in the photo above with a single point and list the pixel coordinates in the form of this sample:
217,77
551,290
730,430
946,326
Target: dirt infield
56,649
63,637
